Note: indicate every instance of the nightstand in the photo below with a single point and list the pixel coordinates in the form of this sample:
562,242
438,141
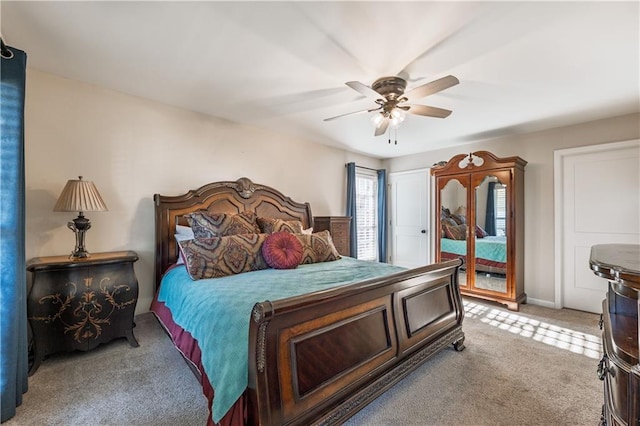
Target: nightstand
79,304
338,227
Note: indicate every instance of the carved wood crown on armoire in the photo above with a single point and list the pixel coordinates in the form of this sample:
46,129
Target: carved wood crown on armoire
480,218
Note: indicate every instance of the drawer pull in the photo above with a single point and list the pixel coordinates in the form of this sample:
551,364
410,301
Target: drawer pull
601,322
603,370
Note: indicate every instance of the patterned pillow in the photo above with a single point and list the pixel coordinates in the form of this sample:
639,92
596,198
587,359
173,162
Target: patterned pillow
480,233
318,247
269,225
448,221
459,219
282,250
222,256
209,225
458,232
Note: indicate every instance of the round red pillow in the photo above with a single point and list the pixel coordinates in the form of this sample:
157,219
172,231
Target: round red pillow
282,250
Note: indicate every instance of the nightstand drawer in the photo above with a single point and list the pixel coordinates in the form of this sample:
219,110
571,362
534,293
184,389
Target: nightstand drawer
336,234
339,228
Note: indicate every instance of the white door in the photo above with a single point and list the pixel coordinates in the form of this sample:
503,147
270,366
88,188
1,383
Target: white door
409,219
597,198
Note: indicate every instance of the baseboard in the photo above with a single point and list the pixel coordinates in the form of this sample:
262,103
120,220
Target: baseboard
540,302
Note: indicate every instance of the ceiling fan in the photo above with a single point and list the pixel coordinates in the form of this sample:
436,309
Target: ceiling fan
393,102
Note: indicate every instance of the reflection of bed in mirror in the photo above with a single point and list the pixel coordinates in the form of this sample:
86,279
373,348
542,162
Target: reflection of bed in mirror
491,253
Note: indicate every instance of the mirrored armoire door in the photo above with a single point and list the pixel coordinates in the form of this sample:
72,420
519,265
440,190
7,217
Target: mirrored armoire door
480,200
452,197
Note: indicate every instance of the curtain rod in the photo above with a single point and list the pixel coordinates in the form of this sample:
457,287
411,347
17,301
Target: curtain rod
363,167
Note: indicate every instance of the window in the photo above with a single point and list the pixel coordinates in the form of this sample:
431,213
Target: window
500,193
367,214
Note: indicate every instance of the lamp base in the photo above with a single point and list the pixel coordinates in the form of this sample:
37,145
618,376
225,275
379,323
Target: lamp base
77,255
79,226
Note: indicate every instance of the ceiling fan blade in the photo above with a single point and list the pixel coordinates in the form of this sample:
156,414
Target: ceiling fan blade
382,128
364,89
429,111
352,113
431,88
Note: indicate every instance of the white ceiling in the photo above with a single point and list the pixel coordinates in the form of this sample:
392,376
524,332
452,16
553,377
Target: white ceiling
282,65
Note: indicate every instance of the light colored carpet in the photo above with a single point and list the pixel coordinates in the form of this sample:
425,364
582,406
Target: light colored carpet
534,367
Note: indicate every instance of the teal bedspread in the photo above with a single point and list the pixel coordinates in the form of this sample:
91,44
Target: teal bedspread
217,312
490,248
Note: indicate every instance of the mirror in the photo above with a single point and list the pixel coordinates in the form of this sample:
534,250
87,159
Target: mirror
453,224
490,234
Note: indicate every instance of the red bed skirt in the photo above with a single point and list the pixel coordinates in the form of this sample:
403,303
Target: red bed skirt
190,350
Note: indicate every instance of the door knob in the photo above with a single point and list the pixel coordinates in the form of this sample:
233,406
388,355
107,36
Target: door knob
424,231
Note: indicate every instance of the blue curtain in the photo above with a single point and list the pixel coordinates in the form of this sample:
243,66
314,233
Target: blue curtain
382,215
351,208
13,310
490,217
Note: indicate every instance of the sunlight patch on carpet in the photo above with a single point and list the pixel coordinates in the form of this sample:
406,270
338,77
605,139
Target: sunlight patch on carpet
540,331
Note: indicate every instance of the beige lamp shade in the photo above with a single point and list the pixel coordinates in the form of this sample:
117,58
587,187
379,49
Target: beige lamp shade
80,196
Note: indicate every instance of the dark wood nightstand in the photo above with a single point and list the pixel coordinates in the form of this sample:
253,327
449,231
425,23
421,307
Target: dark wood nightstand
338,227
79,304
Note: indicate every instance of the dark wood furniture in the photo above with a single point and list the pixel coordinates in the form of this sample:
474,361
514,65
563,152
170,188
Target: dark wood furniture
79,304
463,184
338,227
619,367
404,319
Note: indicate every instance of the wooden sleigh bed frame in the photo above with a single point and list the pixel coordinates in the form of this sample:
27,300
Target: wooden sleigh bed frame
303,365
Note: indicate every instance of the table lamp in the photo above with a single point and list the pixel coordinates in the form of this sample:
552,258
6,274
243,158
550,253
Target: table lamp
80,196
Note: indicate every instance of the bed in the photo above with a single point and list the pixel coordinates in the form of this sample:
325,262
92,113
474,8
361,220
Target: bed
491,253
311,358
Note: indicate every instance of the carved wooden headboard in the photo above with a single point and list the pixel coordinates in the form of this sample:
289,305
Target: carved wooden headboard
218,197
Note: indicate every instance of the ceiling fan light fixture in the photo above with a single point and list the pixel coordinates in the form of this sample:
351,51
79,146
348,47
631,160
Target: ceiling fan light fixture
377,119
398,114
397,117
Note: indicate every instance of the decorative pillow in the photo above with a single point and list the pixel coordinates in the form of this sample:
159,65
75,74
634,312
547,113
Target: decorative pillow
209,225
317,248
222,256
461,211
459,219
480,233
270,225
308,231
182,235
448,221
184,231
282,250
458,232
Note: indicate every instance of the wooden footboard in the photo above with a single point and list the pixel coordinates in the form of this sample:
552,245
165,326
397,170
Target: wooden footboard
321,357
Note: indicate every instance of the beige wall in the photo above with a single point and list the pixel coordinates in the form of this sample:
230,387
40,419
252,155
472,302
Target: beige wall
132,148
538,149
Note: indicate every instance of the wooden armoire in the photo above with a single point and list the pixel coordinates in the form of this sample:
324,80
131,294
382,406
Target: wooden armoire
480,218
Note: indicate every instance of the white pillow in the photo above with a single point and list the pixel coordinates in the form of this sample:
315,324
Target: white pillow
307,231
183,233
184,230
